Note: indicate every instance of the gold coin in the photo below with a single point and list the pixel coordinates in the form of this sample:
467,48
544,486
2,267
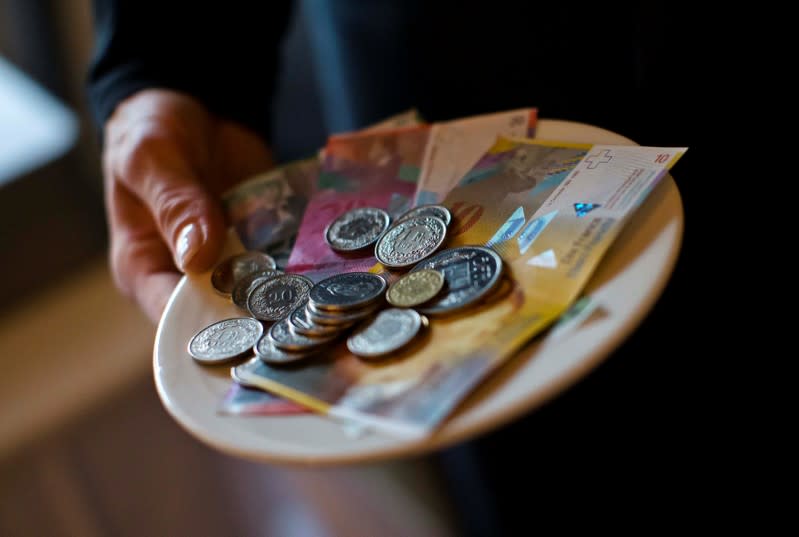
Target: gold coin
415,288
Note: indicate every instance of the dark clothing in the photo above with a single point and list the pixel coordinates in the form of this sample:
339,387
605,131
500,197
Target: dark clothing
611,66
223,53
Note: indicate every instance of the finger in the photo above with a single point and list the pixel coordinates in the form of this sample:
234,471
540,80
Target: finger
141,263
143,270
153,162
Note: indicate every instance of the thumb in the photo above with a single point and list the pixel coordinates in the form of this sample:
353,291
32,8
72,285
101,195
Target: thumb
189,220
156,170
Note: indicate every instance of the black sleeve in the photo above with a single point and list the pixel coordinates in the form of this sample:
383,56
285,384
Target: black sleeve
223,53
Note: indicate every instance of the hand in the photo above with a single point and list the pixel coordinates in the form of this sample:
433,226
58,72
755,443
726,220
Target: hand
166,160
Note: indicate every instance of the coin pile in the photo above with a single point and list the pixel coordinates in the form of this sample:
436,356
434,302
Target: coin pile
306,317
332,306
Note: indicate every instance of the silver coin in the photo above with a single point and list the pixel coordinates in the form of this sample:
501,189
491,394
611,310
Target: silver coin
283,338
245,285
267,352
225,340
470,273
301,323
410,241
235,267
341,319
391,330
348,291
438,211
276,297
357,229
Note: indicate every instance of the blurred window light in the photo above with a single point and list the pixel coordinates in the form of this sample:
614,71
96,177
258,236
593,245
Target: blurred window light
35,128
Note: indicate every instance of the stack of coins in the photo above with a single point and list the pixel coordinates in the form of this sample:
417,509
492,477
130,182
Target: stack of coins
332,306
306,317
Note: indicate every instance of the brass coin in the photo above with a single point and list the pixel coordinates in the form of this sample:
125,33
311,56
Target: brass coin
415,288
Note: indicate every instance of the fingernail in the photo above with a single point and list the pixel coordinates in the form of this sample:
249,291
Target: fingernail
189,242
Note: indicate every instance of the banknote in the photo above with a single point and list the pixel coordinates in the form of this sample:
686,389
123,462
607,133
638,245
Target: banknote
579,313
376,169
572,206
380,168
408,118
266,210
494,201
390,155
241,401
312,256
365,161
454,147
